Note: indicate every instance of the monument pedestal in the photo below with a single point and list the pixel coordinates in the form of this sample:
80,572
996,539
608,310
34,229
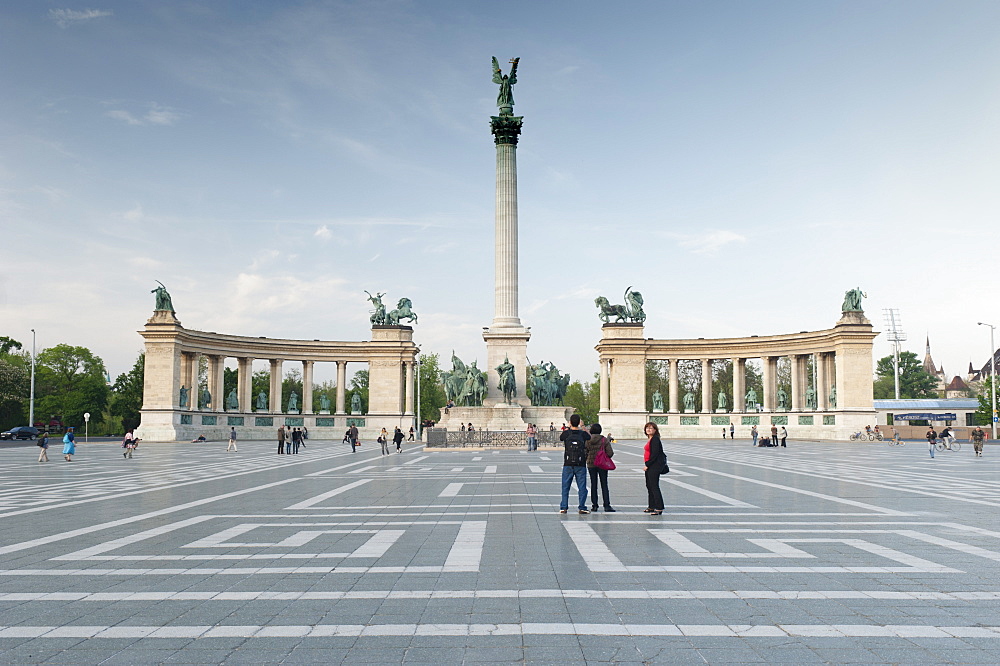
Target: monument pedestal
324,411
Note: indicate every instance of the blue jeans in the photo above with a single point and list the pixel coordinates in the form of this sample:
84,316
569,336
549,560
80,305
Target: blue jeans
568,474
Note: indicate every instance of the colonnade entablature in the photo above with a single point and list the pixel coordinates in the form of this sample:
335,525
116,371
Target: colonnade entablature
828,386
171,392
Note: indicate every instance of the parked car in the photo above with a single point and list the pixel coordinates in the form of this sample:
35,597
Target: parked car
21,432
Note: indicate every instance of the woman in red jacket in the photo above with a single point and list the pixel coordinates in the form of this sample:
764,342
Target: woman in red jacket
654,461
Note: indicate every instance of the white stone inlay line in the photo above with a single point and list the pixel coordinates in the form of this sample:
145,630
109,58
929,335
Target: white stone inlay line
536,469
410,462
491,469
452,490
362,469
708,493
467,551
327,495
524,629
597,555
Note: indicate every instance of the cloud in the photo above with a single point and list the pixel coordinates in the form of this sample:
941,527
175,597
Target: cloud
324,233
67,17
119,114
156,115
708,242
135,214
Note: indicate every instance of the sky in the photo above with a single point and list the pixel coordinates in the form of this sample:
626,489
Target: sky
741,164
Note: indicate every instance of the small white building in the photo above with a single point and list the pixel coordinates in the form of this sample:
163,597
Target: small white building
927,411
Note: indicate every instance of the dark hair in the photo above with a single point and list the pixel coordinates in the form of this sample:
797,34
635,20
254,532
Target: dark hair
595,429
574,420
656,431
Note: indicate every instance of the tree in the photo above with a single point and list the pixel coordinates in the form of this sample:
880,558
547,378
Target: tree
71,381
914,381
126,396
230,382
15,385
329,388
585,398
432,396
984,415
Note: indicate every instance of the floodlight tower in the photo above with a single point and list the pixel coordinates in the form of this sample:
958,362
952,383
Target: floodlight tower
895,334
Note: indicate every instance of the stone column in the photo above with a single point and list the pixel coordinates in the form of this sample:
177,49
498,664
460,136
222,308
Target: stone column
706,385
739,385
275,401
307,386
341,385
796,382
821,392
770,367
195,366
217,382
408,401
675,388
244,384
605,384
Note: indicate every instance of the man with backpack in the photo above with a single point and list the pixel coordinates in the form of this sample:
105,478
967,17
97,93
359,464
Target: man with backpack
574,464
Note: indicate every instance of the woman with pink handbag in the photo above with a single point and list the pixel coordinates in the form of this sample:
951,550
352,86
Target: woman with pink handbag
599,462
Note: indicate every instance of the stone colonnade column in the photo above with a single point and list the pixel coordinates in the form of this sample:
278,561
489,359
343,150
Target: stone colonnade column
217,382
796,382
341,385
770,375
408,400
244,384
821,390
675,387
307,386
739,385
275,401
605,385
706,385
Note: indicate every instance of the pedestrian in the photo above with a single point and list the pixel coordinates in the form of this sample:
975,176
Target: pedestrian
353,431
305,435
412,434
383,439
470,428
347,436
977,436
532,433
69,445
574,464
43,445
128,443
784,435
732,431
655,459
463,427
723,433
397,437
232,440
552,426
754,434
931,440
598,442
296,441
774,435
281,440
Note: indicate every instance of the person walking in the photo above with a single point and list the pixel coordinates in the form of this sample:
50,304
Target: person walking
654,459
397,438
296,441
784,435
128,443
353,434
69,445
413,432
43,445
754,434
532,433
732,431
305,435
931,440
383,439
774,435
232,441
574,464
281,440
596,443
977,436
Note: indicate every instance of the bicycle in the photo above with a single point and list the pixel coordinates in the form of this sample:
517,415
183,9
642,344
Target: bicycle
862,436
942,446
894,441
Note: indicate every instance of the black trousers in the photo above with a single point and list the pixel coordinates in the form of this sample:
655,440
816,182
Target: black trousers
653,490
596,473
281,446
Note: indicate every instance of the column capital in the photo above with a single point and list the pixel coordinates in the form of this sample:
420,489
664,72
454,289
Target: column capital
505,129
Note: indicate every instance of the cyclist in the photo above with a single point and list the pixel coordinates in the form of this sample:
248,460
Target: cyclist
977,436
895,435
947,437
931,439
876,432
868,430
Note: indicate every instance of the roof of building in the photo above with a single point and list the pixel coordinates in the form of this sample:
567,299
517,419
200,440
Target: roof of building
927,403
957,384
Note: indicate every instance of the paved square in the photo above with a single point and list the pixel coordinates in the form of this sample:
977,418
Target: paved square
187,554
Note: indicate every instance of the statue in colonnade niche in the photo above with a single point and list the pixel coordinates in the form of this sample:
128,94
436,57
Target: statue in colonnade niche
324,402
232,402
833,396
689,401
852,300
293,401
261,401
722,400
163,301
205,399
508,383
811,398
782,399
184,396
751,400
657,401
356,403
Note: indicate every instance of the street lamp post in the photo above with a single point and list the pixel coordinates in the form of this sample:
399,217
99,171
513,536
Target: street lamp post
86,432
993,379
419,422
31,400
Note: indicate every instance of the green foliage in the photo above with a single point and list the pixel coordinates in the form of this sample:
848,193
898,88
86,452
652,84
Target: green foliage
984,415
15,387
260,380
7,345
585,398
70,381
657,379
914,381
230,382
432,395
359,384
329,387
291,382
126,398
